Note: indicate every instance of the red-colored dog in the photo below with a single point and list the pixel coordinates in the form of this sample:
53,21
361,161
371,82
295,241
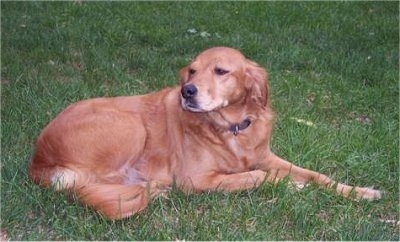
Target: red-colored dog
212,132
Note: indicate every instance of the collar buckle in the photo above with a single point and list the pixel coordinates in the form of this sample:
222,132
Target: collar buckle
240,126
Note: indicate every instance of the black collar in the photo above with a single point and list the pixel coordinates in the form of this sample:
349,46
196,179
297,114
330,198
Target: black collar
235,128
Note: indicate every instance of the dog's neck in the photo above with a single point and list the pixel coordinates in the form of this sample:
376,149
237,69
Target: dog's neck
233,118
235,128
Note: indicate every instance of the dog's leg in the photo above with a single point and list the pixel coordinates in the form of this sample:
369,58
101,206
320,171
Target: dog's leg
278,168
226,182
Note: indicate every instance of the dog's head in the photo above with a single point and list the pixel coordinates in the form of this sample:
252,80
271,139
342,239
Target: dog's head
219,77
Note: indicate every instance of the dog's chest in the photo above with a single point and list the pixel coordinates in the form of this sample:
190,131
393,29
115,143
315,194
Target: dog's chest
235,146
236,155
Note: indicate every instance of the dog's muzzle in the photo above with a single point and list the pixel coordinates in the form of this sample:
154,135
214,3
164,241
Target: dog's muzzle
188,100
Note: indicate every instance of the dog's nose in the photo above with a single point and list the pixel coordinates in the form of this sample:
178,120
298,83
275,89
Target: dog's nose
188,91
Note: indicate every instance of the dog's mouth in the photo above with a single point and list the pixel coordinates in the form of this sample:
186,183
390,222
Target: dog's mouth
190,104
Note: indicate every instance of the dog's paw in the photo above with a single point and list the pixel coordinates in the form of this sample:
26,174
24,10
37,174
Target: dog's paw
368,193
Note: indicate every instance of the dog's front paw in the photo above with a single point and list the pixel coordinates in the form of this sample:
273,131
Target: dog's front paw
369,193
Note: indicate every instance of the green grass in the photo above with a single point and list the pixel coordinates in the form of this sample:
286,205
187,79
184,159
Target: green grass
334,64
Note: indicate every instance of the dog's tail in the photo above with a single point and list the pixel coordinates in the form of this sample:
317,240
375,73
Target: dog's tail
110,197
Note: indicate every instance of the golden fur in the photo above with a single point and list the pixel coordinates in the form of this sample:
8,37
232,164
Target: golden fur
211,132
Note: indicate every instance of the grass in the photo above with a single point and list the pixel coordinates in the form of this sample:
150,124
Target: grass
333,71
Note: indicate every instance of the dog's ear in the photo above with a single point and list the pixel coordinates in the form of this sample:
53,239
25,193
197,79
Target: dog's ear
257,82
183,75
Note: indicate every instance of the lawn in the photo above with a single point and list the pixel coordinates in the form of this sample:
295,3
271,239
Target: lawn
334,79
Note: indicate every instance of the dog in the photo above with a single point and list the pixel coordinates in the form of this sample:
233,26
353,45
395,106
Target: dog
212,132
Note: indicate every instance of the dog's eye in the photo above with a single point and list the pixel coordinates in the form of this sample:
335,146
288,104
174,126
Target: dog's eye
220,71
192,71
